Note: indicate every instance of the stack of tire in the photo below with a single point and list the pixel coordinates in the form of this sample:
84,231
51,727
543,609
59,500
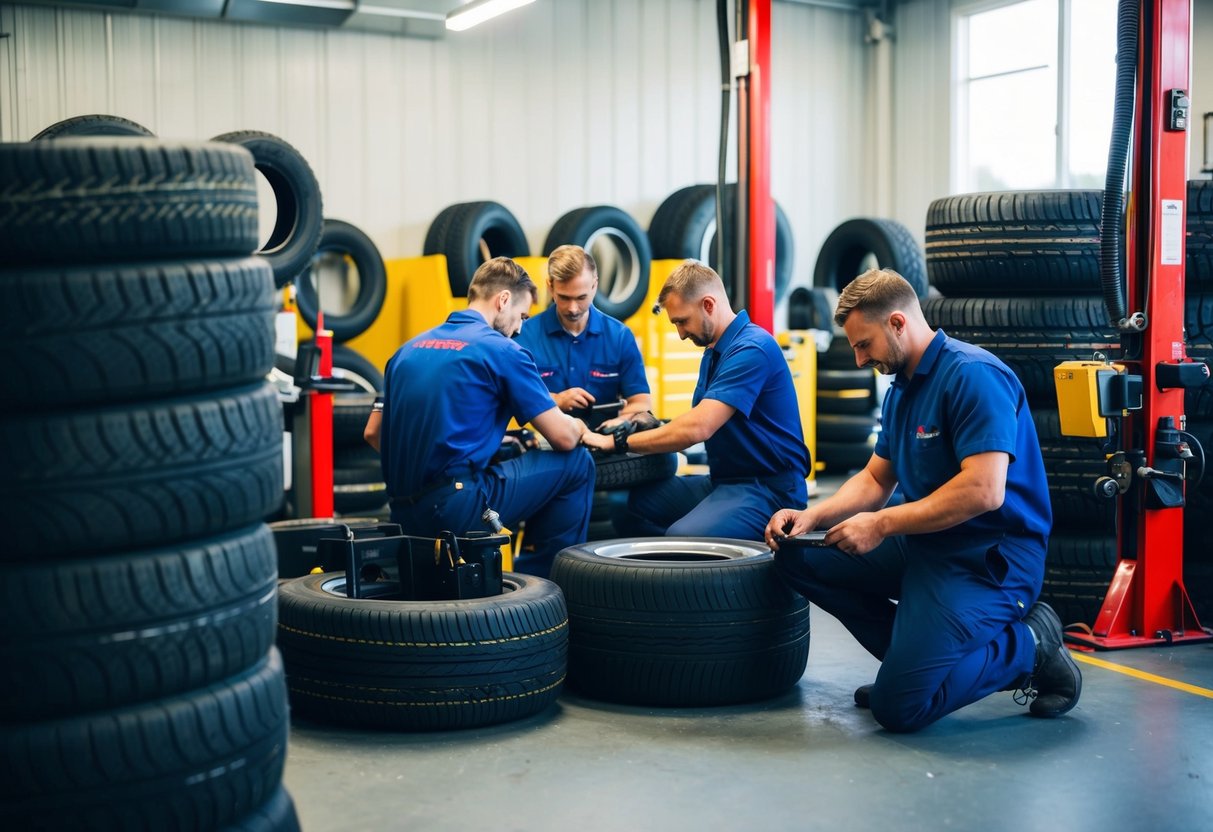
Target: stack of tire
348,280
142,449
1019,272
848,407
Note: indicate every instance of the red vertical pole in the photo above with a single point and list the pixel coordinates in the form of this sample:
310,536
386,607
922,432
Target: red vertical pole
1147,603
757,118
321,421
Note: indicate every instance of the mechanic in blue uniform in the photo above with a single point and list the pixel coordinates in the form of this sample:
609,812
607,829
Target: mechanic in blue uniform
585,357
744,411
449,394
964,556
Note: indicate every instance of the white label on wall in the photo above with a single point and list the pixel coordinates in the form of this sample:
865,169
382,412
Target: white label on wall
1172,251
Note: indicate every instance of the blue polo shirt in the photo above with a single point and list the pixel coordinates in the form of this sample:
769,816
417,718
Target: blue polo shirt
746,369
963,401
603,359
448,395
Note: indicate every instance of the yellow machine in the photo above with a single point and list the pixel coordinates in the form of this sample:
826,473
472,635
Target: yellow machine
1087,395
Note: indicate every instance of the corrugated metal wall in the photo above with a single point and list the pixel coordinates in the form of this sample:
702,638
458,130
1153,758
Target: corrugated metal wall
558,105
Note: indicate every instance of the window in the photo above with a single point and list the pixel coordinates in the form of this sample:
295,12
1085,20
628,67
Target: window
1034,92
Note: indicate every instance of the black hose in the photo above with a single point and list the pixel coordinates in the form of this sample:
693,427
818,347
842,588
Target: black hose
726,87
1111,245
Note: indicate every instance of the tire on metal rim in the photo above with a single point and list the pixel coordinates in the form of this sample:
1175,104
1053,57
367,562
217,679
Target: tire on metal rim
680,621
422,665
349,259
300,219
621,251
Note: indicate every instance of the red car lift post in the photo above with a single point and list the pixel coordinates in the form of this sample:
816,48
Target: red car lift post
1147,604
754,155
312,437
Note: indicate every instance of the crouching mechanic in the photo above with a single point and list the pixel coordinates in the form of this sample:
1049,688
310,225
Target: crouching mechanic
744,411
449,394
964,556
585,356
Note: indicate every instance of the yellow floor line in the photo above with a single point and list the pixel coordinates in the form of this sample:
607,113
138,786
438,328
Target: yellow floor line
1141,674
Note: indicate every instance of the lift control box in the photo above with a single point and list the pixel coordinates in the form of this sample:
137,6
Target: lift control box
1089,392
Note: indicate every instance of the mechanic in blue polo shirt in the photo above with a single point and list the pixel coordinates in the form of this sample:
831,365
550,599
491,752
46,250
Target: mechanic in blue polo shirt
585,357
940,588
744,411
448,395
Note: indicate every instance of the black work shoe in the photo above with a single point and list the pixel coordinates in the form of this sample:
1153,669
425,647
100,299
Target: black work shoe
1056,682
863,696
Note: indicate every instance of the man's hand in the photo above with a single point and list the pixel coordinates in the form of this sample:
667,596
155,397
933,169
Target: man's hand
573,399
857,535
600,441
788,522
611,424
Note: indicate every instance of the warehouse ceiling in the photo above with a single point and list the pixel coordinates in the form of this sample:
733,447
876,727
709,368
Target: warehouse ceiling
413,18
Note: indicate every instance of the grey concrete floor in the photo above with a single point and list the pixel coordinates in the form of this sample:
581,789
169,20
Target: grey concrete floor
1134,755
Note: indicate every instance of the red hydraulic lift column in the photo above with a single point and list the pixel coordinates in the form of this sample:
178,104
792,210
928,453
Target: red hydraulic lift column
754,127
1147,604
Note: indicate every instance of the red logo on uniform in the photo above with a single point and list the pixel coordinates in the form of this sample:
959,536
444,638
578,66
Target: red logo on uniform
601,374
440,344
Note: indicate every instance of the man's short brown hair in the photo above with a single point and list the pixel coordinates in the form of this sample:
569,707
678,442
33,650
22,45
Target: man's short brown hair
691,280
875,293
568,262
498,275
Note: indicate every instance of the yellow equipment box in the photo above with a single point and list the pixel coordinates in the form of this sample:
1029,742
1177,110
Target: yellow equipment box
1079,395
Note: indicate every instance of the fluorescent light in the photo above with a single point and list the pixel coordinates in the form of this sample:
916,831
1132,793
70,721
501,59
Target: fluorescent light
478,11
340,5
386,11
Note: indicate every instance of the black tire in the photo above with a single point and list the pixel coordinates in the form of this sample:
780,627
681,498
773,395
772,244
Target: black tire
93,125
78,335
845,429
1031,335
468,234
200,760
300,216
684,226
1072,465
613,472
276,815
137,475
358,488
102,199
84,635
1078,570
812,307
351,246
681,622
422,665
350,412
846,392
620,248
862,243
355,367
1015,243
1198,270
841,457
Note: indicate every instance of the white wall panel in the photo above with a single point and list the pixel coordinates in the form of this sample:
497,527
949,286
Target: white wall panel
561,104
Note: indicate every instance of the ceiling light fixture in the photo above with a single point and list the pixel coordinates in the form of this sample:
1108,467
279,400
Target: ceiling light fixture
478,11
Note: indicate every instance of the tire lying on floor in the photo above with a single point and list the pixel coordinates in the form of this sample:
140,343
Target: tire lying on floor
422,665
680,621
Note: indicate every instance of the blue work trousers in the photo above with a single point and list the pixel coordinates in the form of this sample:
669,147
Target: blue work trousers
700,507
551,490
954,635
